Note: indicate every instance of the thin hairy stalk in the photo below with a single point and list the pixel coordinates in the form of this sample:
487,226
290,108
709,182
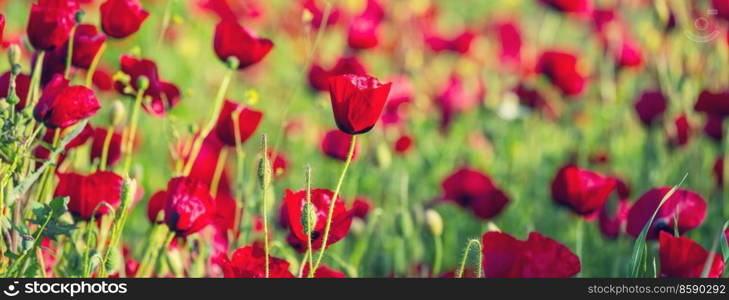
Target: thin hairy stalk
466,253
133,129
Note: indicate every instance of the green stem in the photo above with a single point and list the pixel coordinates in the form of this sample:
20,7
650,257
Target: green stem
69,55
133,130
105,148
325,239
438,258
264,205
94,65
466,253
129,188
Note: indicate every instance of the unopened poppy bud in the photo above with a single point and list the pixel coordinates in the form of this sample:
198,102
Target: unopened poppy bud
404,223
117,113
14,54
434,221
142,83
79,16
264,165
307,16
308,218
358,227
233,62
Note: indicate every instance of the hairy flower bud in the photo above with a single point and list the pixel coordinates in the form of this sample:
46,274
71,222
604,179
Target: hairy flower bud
434,221
14,54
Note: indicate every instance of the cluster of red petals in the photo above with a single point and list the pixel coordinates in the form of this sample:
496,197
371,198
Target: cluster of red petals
538,256
583,191
122,18
164,95
684,206
86,44
474,190
335,144
357,102
87,192
234,40
233,114
650,107
250,262
188,207
22,84
683,258
403,144
294,203
50,23
561,70
61,105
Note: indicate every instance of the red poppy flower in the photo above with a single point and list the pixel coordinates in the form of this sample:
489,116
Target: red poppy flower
357,101
250,262
164,95
324,272
233,10
335,144
508,34
279,163
319,77
232,39
583,191
629,54
122,18
248,121
686,206
561,70
87,192
722,9
102,80
115,146
716,104
714,127
681,131
361,207
86,43
401,94
363,29
317,13
612,221
578,7
22,83
50,23
321,200
189,206
718,170
61,105
203,169
683,258
460,44
472,189
403,144
155,205
538,256
2,26
650,107
533,99
54,63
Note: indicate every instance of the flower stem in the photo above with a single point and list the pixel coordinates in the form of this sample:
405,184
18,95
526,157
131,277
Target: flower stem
219,167
466,253
325,239
438,258
105,148
129,188
69,54
35,79
264,176
133,130
94,65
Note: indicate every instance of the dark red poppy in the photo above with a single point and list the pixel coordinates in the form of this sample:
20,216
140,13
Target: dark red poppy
403,144
684,206
561,70
714,127
232,39
50,23
474,190
579,7
538,256
250,262
54,63
612,220
22,83
583,191
714,103
683,258
164,95
718,170
319,77
681,131
650,107
189,206
155,205
324,272
115,146
460,44
508,34
122,18
363,29
86,43
224,213
533,99
247,119
61,105
722,9
321,199
335,144
357,101
361,207
87,192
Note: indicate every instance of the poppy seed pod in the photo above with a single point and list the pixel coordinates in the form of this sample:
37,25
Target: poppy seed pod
308,218
434,221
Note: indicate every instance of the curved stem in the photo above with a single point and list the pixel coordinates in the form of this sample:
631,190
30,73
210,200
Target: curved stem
105,148
466,253
211,122
94,65
219,167
132,130
69,54
325,239
437,260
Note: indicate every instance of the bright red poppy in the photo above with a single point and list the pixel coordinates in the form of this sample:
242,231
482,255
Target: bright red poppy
583,191
50,23
86,44
62,105
561,69
164,95
335,144
189,206
22,84
234,40
357,102
87,192
247,120
683,258
321,200
250,262
473,190
122,18
319,77
538,256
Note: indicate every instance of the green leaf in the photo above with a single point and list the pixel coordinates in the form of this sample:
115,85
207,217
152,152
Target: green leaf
52,212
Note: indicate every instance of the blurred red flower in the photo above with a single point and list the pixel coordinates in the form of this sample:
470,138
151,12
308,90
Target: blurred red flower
474,190
115,146
232,39
456,98
583,191
681,131
102,80
650,107
361,207
718,170
684,206
317,12
363,29
86,43
578,7
357,102
319,77
50,23
189,206
164,95
321,200
155,205
612,220
460,44
122,18
403,144
335,144
279,163
561,70
247,119
683,258
713,103
324,271
538,256
714,127
40,152
87,192
61,105
22,83
2,26
250,262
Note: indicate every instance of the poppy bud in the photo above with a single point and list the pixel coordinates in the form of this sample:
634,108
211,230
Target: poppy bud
434,221
308,218
142,83
117,113
14,54
264,165
122,18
